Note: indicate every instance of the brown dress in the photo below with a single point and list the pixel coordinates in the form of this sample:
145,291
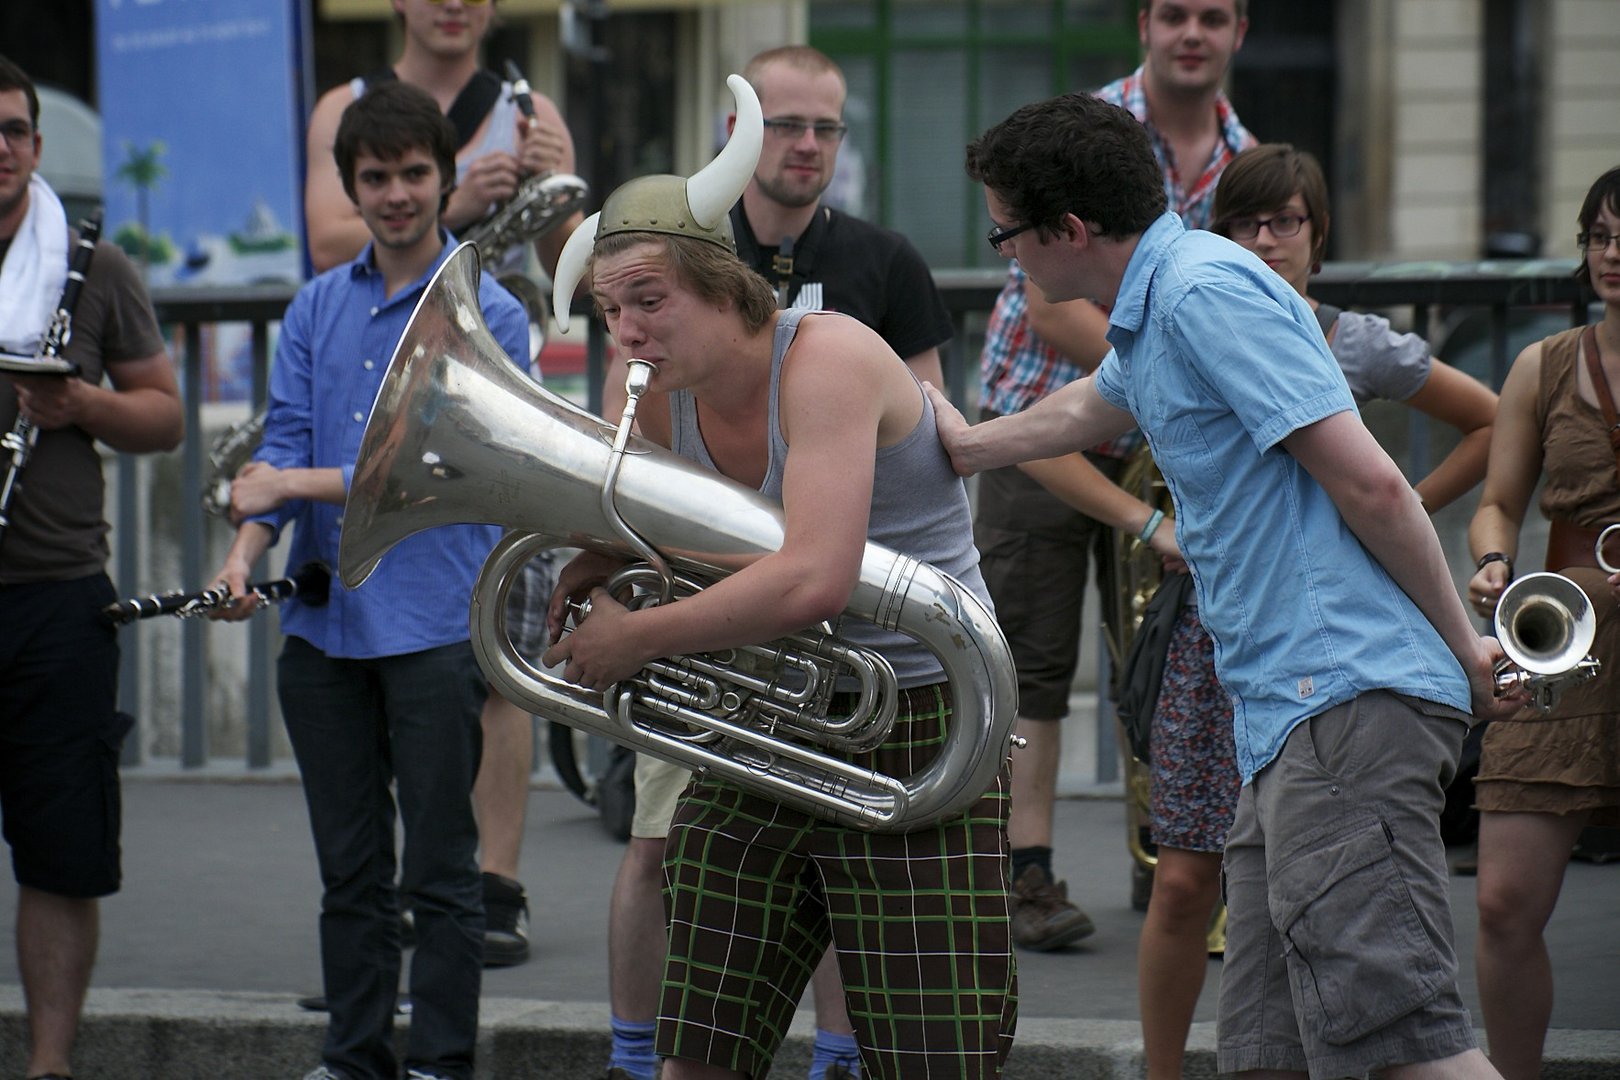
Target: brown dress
1568,760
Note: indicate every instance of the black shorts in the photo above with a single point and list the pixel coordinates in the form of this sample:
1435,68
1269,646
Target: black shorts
60,734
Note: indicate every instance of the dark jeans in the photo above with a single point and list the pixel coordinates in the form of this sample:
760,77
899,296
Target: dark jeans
356,726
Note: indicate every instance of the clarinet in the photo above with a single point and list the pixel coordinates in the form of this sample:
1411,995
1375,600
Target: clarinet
312,582
20,441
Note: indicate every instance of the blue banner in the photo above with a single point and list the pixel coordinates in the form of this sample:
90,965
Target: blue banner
202,125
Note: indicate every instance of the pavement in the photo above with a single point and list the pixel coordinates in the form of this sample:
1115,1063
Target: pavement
213,939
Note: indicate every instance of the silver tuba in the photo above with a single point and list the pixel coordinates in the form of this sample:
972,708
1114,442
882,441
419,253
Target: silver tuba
458,434
1546,624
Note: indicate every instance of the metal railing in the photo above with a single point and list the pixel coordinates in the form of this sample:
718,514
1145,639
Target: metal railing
1425,290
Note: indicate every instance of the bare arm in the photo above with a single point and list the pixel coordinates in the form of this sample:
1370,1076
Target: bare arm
1380,508
1073,417
1076,328
1469,406
927,367
336,231
260,488
139,413
1083,486
252,541
1510,480
833,401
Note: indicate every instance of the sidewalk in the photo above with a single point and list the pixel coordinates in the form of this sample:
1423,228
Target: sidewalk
214,937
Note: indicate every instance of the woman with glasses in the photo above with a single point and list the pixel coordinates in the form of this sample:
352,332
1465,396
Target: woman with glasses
1273,201
1542,779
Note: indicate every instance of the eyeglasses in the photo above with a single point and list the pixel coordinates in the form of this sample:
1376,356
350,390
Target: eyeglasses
1282,225
793,130
17,132
1597,240
464,3
998,237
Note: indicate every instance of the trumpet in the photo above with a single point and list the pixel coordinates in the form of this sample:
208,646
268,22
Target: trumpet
312,582
1546,623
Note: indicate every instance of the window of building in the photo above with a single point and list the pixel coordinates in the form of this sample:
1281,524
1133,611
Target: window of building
927,76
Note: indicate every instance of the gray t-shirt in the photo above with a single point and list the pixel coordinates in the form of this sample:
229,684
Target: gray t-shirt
58,530
1378,362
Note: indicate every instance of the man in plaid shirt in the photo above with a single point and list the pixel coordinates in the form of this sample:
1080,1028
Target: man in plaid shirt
1033,547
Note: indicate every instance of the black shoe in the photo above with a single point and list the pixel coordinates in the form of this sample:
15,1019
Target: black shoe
506,922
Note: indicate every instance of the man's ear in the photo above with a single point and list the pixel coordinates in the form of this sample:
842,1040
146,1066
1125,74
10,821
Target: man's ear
1074,230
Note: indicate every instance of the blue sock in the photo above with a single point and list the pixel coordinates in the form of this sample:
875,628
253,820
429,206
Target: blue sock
832,1050
633,1048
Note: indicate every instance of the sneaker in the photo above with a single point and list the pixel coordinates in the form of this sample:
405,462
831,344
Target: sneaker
506,922
423,1074
1042,916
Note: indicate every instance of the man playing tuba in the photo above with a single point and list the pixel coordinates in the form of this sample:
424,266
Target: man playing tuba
814,409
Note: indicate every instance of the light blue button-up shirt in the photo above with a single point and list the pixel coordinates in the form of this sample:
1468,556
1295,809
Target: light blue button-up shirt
1219,360
336,341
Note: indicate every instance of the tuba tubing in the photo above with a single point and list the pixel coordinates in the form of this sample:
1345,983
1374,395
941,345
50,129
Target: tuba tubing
459,435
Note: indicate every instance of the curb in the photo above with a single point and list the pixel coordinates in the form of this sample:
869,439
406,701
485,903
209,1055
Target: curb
143,1034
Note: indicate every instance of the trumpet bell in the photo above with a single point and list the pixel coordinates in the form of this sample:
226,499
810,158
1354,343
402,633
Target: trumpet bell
1545,623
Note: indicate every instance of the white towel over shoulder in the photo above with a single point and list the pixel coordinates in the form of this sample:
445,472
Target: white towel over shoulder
34,272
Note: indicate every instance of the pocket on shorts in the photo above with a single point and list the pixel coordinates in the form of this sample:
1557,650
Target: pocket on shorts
1357,952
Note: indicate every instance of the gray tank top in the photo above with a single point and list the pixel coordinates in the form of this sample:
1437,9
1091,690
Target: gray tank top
919,506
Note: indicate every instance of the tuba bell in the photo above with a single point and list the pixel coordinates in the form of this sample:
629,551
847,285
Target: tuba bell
1546,623
459,435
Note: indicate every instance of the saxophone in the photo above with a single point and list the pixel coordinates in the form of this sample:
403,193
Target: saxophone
541,202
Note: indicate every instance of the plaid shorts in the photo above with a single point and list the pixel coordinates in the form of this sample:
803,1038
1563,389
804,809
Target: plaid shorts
919,920
526,605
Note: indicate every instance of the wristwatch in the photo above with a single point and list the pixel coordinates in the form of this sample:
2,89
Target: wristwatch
1495,556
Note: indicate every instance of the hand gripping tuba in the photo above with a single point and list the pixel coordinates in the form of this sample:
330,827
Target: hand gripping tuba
458,434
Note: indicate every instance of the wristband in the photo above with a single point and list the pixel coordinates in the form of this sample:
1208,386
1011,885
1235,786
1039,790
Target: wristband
1495,556
1152,524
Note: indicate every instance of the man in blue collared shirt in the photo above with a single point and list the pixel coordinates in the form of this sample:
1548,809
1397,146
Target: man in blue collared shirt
1351,662
380,685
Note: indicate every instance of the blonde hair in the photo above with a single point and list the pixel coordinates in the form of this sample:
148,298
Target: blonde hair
707,269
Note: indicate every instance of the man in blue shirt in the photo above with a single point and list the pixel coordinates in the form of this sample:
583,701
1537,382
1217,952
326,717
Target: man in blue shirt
1351,662
380,685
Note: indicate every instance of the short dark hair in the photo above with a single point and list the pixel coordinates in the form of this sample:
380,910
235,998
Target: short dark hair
1072,154
1264,177
388,120
709,270
1605,192
13,77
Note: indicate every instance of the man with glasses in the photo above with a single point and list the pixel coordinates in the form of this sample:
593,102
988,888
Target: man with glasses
815,258
1351,663
1034,546
498,144
60,728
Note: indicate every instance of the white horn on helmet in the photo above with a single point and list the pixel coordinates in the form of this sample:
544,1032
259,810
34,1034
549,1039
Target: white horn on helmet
570,268
715,188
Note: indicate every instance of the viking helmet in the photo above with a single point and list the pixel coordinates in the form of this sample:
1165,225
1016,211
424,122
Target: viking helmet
699,207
